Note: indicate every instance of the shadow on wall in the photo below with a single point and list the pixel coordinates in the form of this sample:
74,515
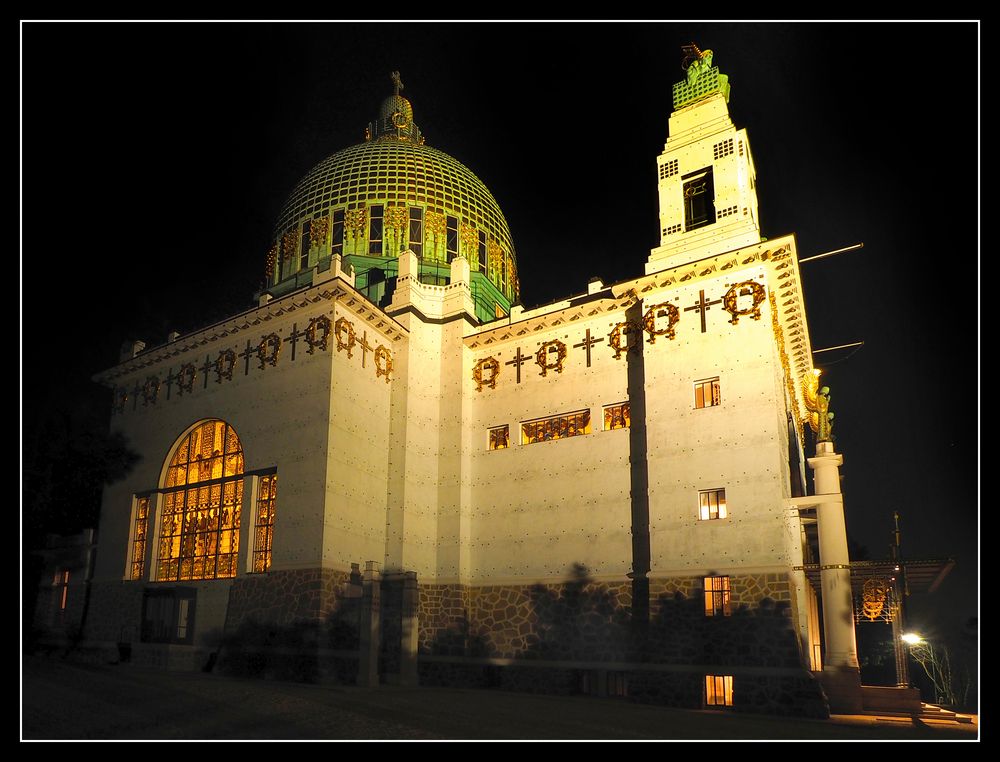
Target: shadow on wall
584,620
303,651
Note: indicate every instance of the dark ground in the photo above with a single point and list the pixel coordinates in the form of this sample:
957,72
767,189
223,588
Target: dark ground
61,700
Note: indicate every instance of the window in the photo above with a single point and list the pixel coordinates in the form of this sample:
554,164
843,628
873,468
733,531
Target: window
556,427
706,393
451,238
202,500
712,504
168,615
718,690
375,230
616,416
699,199
267,494
337,234
305,241
416,232
717,597
138,565
500,438
61,584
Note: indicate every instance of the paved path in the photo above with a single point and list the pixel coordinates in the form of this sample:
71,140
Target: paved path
61,700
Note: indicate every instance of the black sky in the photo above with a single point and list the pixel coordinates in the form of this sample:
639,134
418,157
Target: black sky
156,157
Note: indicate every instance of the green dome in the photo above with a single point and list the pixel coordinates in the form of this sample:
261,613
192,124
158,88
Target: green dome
391,193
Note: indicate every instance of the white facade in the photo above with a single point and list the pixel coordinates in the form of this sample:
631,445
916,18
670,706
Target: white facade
388,458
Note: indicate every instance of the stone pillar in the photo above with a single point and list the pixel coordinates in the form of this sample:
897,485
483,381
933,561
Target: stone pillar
368,649
409,631
841,675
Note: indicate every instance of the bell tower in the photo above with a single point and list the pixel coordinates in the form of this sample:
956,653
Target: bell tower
706,178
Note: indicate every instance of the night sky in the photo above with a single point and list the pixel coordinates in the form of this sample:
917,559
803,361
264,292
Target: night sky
156,157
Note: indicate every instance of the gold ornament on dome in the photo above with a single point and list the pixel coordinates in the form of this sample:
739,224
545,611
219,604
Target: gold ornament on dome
383,362
874,598
555,347
319,231
268,350
435,223
185,378
469,237
272,257
494,255
354,221
224,365
615,337
121,397
396,217
746,288
490,364
150,390
321,325
289,244
664,309
343,331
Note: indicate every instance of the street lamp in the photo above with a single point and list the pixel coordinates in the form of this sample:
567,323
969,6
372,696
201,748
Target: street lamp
911,639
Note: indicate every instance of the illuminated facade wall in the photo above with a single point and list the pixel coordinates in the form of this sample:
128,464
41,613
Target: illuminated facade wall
490,458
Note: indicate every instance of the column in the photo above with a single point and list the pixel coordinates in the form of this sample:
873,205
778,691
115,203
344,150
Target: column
409,631
369,635
841,676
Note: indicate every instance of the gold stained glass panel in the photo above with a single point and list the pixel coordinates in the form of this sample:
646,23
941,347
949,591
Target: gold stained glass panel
556,427
500,438
138,566
200,521
617,417
267,495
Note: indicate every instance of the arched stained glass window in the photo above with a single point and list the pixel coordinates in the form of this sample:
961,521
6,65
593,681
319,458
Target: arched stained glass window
202,500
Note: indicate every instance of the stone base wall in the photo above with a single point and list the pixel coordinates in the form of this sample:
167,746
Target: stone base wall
284,625
286,597
115,612
586,620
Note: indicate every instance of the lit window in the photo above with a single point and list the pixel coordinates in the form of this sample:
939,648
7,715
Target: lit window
61,583
500,438
138,566
617,417
706,393
712,504
717,596
718,690
557,427
267,494
699,199
202,500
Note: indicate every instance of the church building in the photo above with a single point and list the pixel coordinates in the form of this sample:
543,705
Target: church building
389,470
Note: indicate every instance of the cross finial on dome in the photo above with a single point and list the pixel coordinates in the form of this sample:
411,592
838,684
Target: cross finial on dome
397,83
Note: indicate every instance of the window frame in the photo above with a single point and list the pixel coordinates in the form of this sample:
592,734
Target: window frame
716,392
721,507
718,595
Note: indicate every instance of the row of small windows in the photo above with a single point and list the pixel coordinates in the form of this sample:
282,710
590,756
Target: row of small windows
201,511
668,169
707,393
725,148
